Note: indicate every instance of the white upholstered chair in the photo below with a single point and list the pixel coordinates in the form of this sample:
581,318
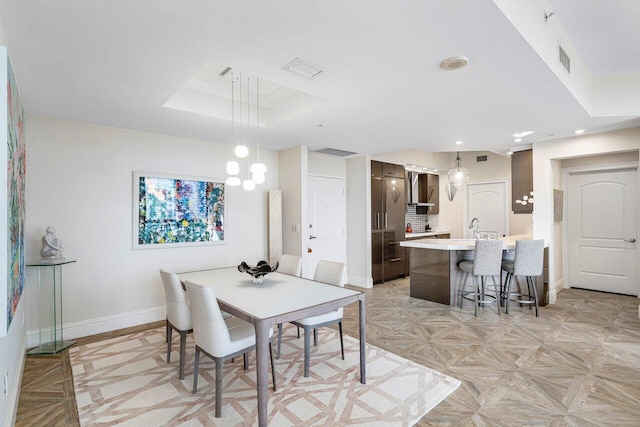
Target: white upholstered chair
528,263
218,337
332,273
487,263
178,314
292,265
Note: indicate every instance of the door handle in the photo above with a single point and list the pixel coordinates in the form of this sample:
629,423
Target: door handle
385,221
632,240
312,237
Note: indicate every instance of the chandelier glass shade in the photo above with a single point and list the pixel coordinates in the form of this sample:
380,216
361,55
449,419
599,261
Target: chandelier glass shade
241,151
458,175
233,181
248,184
233,168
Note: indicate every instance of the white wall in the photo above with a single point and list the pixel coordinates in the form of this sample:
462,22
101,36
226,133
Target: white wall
543,177
293,183
324,164
557,279
80,181
359,222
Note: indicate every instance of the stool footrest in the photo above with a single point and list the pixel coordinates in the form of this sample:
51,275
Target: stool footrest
469,297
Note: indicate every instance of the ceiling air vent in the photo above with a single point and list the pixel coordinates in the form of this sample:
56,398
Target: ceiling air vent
335,152
303,69
564,59
224,72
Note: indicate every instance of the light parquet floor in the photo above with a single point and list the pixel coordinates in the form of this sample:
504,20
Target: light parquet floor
578,364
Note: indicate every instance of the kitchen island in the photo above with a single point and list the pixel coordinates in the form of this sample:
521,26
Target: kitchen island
434,272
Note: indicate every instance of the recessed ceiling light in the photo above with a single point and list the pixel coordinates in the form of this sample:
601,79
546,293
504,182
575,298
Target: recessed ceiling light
509,153
454,63
517,140
579,131
459,142
522,134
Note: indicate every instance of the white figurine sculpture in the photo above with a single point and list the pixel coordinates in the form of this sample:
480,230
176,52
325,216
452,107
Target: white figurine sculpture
51,246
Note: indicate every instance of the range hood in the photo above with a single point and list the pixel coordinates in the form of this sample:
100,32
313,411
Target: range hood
418,190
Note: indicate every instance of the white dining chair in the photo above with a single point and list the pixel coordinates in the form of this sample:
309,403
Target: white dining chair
292,265
219,338
332,273
178,315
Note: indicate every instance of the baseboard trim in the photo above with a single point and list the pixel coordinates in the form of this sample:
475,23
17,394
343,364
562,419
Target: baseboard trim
361,282
552,295
12,409
102,324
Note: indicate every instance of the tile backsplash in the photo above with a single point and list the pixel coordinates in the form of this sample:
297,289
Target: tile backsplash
419,221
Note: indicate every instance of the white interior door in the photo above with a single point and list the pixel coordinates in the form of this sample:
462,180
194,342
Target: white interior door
602,221
488,203
327,218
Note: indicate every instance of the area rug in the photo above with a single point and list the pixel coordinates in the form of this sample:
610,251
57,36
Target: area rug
126,381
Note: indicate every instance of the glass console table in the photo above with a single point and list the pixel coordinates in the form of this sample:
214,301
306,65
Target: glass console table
51,336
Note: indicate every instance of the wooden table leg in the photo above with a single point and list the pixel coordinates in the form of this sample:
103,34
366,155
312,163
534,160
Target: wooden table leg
262,367
363,355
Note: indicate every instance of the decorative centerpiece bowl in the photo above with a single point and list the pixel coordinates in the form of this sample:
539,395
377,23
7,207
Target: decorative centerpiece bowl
259,271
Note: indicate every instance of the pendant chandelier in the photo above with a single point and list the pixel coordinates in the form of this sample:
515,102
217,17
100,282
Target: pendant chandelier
233,168
256,171
458,176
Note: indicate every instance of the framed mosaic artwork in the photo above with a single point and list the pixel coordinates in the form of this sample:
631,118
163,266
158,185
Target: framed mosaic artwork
12,194
176,211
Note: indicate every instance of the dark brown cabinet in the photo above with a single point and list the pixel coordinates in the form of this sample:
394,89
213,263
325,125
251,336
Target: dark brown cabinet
521,180
407,264
389,169
433,188
387,221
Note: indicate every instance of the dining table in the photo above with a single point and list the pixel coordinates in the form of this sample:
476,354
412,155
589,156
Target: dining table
280,298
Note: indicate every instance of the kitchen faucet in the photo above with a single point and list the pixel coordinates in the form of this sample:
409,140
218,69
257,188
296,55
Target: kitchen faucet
475,226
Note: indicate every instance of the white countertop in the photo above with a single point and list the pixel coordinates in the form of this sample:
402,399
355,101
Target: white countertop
432,232
461,244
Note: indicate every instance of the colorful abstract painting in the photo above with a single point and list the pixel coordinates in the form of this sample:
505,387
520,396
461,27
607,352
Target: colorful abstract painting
171,211
15,185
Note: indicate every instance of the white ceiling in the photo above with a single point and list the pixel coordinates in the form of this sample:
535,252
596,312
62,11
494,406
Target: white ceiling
117,62
604,32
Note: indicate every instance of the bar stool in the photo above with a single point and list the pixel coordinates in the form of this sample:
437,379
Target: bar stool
487,263
528,262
